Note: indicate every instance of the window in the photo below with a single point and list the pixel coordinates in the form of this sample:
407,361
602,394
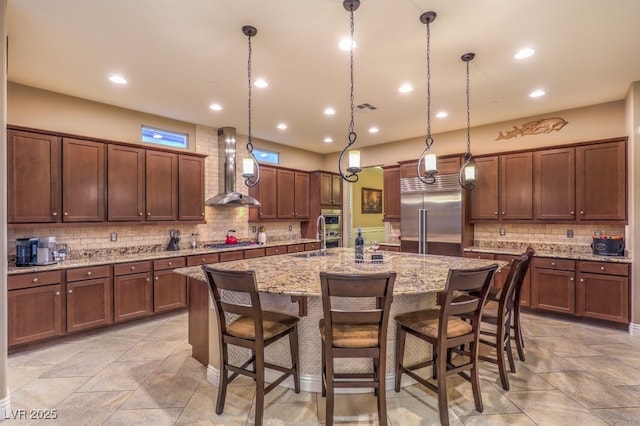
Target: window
264,156
164,137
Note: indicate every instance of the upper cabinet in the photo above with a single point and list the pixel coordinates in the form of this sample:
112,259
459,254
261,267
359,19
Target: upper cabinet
162,185
33,178
266,193
391,182
125,183
330,189
190,187
554,184
83,180
516,186
283,194
484,196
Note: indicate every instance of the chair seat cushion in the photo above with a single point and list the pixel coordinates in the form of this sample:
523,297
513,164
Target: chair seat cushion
352,336
273,323
426,323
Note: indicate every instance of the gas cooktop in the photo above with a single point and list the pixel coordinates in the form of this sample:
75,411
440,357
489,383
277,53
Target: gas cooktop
239,244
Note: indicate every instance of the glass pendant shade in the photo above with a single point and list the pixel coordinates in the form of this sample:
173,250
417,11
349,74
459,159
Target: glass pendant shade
354,161
247,168
430,161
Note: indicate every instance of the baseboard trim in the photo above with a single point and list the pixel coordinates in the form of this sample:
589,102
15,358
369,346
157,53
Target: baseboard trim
634,329
5,407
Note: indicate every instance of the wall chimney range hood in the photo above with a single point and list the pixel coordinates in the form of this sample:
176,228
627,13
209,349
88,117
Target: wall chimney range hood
227,173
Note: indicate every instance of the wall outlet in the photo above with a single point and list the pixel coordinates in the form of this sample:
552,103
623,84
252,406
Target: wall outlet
253,229
503,232
569,233
113,236
290,228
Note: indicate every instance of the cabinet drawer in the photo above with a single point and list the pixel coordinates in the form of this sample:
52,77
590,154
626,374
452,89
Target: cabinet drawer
203,259
295,248
251,253
33,280
557,264
131,268
90,272
270,251
171,263
476,255
388,248
311,246
604,268
231,255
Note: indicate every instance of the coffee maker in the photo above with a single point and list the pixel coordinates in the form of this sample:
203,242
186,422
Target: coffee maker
46,247
26,251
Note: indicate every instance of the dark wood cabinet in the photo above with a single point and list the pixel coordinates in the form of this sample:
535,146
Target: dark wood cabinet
293,194
161,185
554,184
265,192
301,189
169,288
391,197
553,285
330,189
125,183
34,314
601,182
33,177
83,180
132,291
501,277
89,298
484,197
199,320
190,188
602,291
516,186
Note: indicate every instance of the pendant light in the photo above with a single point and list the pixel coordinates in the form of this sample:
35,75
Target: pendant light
428,158
467,175
251,176
354,156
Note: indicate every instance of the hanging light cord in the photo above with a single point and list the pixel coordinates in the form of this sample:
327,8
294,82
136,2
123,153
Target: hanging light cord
251,180
468,158
468,115
352,176
428,178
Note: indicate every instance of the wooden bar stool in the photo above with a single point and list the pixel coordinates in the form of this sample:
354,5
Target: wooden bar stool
447,333
248,326
350,331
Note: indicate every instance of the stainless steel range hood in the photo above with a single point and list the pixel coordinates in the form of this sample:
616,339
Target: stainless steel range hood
227,173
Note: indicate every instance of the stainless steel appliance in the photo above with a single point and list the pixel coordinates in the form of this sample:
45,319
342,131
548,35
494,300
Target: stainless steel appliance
431,216
26,251
46,249
333,220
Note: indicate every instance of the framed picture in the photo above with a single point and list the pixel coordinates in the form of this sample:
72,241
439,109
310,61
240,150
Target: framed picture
371,200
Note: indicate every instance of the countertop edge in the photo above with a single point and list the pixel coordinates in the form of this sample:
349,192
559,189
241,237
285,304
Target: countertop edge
557,254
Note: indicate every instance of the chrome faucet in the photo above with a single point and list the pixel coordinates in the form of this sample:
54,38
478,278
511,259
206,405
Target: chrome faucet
324,231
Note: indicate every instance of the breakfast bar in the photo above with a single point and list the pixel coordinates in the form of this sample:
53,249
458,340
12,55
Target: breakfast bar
290,283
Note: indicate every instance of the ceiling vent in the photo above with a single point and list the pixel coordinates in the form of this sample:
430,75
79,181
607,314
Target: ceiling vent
366,106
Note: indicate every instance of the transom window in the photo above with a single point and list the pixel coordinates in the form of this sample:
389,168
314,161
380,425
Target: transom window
265,156
164,137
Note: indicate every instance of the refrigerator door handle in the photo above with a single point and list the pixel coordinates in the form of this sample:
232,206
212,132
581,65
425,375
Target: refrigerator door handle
422,231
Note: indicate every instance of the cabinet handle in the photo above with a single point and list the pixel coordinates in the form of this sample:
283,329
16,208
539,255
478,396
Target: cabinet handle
203,260
495,213
69,291
202,213
133,268
553,263
502,213
148,213
581,280
89,273
140,213
148,279
66,213
572,212
170,263
602,268
35,280
157,278
581,211
54,214
57,293
571,279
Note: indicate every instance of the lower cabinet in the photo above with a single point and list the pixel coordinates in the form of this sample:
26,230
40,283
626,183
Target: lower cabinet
132,291
34,313
89,298
602,291
553,287
169,288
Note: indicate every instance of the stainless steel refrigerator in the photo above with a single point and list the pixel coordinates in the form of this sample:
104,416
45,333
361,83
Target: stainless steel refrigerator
431,216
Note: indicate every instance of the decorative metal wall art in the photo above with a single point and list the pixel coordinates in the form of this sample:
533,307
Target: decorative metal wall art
534,127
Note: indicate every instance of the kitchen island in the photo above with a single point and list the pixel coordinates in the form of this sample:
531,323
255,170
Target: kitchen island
291,278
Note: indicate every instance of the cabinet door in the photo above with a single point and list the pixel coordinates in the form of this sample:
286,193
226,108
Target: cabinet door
286,194
33,174
326,189
516,186
89,304
34,314
553,290
132,296
161,185
265,192
125,183
190,188
301,186
554,184
501,276
603,297
336,190
484,198
169,291
391,180
83,178
601,177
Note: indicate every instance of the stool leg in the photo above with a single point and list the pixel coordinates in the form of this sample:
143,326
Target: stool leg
259,386
323,368
295,358
400,340
222,386
440,367
329,391
382,388
501,340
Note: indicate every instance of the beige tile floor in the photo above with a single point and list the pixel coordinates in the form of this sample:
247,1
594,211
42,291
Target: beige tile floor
143,374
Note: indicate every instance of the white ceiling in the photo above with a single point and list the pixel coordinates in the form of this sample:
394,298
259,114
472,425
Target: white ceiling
181,56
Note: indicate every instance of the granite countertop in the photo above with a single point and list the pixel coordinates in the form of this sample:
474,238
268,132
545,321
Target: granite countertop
298,275
560,254
120,258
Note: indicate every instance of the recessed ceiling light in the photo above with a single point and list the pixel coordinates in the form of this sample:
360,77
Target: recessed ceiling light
524,53
215,107
261,82
442,114
373,129
117,79
329,111
282,126
405,88
328,140
347,44
537,93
